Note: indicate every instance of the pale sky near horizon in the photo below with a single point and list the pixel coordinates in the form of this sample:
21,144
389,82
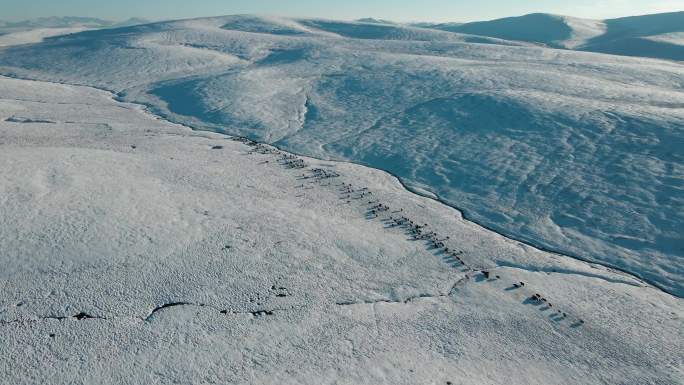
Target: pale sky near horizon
397,10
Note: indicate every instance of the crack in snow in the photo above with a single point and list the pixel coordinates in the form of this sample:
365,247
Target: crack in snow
406,300
79,317
256,313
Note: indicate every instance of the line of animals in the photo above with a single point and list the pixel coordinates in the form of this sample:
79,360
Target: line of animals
394,219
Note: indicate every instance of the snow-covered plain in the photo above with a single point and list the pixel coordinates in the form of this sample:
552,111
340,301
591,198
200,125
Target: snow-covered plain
572,151
140,251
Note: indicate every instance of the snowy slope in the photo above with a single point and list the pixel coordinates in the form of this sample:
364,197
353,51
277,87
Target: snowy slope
632,36
35,30
138,251
573,151
383,31
628,36
553,30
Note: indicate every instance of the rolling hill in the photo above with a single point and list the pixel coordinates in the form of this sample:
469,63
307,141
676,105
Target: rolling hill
630,36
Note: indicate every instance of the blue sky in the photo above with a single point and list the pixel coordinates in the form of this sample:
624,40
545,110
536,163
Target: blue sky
398,10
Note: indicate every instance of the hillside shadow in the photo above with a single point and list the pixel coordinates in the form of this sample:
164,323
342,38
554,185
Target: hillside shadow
536,27
627,36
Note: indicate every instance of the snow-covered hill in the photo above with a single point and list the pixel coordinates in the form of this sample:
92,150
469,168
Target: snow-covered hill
384,31
138,251
34,35
630,36
35,30
69,22
573,151
640,36
552,30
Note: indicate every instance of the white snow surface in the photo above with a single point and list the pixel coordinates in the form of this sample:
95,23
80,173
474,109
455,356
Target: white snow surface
36,30
139,251
572,151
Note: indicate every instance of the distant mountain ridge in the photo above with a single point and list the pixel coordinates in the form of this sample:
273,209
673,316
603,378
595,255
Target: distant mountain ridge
36,30
629,36
656,35
548,29
69,22
372,20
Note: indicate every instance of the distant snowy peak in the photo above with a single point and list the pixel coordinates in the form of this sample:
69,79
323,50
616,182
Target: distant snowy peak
36,30
645,25
69,22
371,20
61,22
630,36
35,35
658,36
552,30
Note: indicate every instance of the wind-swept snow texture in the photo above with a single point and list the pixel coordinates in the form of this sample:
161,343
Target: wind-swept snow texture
573,151
135,251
